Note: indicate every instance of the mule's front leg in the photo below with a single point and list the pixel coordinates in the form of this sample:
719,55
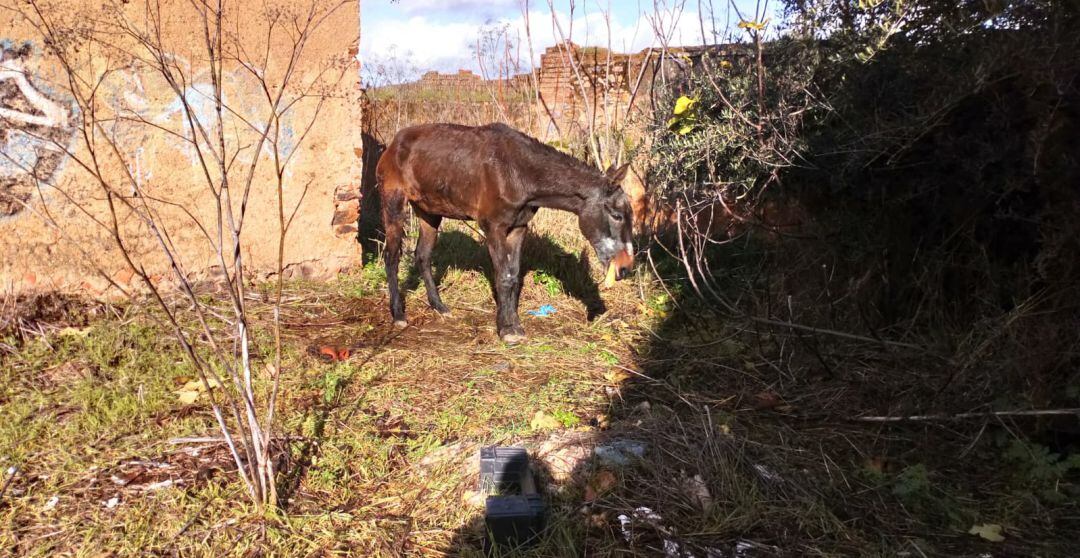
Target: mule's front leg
505,251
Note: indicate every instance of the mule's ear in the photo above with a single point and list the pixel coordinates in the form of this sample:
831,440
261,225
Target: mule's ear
616,175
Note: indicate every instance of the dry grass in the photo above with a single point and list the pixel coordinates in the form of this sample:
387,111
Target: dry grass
750,450
360,477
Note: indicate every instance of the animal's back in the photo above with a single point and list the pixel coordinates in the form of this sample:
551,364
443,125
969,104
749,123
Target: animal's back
448,169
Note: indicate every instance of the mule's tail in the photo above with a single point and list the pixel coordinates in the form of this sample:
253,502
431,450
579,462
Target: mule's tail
392,198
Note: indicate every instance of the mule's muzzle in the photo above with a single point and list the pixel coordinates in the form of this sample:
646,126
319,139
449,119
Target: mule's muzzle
624,263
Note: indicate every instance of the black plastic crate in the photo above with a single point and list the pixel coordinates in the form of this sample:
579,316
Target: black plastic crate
515,520
505,471
515,510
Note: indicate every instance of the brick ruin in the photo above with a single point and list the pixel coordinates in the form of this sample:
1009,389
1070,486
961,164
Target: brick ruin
572,80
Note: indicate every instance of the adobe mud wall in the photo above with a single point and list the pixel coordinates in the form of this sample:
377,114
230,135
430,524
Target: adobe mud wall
51,210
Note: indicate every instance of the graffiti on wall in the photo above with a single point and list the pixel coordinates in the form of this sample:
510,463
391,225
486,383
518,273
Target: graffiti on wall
35,129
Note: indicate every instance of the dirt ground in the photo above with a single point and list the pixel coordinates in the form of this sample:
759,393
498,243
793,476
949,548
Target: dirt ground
742,453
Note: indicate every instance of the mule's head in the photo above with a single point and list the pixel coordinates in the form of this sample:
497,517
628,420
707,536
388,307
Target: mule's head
607,222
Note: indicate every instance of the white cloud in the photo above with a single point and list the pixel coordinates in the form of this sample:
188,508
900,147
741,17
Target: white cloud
428,6
428,43
447,46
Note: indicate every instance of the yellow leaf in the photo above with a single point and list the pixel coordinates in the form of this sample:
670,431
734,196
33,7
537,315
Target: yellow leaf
193,385
683,104
544,421
988,531
198,386
755,25
187,397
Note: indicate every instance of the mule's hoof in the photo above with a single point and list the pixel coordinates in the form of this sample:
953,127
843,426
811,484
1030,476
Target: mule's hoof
401,324
513,338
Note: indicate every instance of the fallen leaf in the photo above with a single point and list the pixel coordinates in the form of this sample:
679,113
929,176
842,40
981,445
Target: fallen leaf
602,421
187,397
600,484
327,353
988,531
198,385
767,400
616,376
544,421
876,464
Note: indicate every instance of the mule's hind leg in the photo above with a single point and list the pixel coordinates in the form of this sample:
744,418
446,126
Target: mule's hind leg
393,214
429,233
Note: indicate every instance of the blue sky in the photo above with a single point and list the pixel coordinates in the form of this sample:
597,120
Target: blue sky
442,34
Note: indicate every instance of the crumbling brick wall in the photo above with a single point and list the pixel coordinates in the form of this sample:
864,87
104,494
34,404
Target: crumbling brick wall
41,182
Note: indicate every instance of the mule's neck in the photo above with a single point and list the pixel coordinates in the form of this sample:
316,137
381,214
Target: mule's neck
568,189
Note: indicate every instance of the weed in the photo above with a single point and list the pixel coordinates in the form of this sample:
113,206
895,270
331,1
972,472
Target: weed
1041,471
608,357
549,282
914,488
568,419
912,485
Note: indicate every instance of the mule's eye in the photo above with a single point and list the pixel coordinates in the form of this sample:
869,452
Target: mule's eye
617,217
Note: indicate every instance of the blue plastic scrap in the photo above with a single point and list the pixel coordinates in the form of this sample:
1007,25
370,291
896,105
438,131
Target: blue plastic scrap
543,312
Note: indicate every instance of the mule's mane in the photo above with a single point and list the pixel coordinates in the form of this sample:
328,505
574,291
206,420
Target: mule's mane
547,156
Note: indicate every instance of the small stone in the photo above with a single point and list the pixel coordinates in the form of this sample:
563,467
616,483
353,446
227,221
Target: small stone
563,453
619,453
